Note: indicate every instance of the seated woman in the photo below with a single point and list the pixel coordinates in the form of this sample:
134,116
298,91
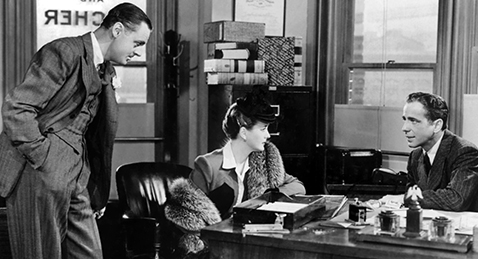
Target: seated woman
248,165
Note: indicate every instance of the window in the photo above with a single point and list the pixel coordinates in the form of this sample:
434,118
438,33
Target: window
133,82
384,50
393,51
59,18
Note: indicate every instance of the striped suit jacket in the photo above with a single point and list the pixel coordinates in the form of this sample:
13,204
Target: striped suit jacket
452,183
50,97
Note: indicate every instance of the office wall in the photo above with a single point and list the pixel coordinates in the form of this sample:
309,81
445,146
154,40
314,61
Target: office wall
470,118
193,98
372,127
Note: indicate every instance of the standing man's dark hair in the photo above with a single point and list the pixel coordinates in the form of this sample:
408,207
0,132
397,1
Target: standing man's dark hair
129,14
57,144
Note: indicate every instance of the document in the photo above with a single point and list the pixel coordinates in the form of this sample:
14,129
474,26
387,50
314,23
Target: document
392,201
287,207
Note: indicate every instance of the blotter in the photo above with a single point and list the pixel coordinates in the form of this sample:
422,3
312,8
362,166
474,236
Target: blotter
264,209
461,243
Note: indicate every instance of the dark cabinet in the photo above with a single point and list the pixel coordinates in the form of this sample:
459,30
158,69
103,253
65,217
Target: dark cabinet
293,133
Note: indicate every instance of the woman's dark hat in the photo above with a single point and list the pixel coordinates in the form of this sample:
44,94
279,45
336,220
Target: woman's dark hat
255,105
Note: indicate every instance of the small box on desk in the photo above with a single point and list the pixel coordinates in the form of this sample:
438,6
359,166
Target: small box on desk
264,209
233,31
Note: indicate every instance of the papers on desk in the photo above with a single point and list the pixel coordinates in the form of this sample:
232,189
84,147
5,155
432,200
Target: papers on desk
287,207
342,220
463,221
426,214
334,205
391,201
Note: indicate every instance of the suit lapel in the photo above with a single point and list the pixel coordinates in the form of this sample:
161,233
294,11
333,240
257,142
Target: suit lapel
88,70
438,166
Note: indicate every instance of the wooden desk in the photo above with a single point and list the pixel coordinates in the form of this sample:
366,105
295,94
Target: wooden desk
227,241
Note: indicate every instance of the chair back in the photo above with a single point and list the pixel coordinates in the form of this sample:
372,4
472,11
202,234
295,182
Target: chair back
143,186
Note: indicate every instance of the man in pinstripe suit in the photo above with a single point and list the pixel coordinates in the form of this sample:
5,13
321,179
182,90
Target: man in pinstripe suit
59,128
443,165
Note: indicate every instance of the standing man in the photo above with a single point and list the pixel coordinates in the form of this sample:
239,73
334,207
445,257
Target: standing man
57,143
443,165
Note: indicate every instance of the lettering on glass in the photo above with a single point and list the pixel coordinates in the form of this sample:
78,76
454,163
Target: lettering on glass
70,17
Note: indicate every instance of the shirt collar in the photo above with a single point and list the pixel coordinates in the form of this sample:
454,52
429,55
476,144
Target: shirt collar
97,55
228,160
433,151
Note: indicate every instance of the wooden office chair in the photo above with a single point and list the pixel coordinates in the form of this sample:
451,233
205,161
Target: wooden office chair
142,192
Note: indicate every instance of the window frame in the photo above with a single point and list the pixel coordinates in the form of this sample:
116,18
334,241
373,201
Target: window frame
339,62
348,64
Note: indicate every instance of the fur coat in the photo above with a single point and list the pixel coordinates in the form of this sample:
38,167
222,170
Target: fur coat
220,184
190,210
266,171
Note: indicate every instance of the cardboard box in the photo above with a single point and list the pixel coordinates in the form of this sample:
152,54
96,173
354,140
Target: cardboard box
233,66
279,55
224,78
298,210
214,47
233,31
298,61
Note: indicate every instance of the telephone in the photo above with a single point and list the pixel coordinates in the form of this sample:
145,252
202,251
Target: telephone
386,170
388,176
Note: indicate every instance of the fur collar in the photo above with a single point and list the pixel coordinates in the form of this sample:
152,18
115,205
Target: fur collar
189,207
190,210
266,171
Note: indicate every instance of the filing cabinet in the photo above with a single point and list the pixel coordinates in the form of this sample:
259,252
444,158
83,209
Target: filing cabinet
293,133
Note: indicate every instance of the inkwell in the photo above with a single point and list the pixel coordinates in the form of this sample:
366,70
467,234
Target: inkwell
388,223
414,212
441,228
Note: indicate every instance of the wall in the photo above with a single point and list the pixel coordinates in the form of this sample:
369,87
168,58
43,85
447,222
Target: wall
470,122
372,127
194,94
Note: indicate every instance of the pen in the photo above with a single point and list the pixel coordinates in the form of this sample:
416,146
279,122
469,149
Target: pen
339,207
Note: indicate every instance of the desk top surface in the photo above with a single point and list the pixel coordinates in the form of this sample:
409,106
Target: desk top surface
319,239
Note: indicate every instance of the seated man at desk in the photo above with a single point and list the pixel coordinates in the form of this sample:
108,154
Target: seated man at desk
443,165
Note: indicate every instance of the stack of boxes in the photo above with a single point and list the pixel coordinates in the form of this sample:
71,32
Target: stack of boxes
239,53
298,61
232,53
278,54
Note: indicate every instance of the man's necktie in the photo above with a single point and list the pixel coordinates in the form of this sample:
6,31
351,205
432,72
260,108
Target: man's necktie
426,161
101,70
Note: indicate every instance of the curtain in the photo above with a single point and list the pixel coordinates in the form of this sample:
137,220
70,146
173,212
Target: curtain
457,63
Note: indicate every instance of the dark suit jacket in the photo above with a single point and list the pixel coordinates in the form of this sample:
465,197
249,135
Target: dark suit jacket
50,97
452,183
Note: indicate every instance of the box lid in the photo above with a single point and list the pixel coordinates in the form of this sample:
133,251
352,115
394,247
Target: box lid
298,210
